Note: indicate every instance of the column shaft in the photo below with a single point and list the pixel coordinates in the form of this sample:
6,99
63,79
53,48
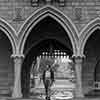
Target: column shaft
17,78
78,69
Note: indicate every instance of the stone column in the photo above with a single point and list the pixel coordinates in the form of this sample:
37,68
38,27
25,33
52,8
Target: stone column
78,70
17,77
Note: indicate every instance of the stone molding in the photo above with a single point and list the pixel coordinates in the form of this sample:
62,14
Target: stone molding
78,59
10,33
40,14
87,32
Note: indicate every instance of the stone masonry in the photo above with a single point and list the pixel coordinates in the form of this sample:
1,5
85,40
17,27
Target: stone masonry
81,12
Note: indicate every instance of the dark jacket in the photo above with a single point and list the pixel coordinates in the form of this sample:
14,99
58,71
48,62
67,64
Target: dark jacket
52,75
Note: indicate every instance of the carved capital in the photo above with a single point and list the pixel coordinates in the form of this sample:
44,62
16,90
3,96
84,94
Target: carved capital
17,58
78,59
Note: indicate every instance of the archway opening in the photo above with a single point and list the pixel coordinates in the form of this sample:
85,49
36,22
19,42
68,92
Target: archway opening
48,33
47,28
91,64
6,66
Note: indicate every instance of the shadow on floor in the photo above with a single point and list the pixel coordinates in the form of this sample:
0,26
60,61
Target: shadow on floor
93,94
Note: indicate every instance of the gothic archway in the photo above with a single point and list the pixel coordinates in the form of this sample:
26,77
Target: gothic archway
91,63
40,14
47,30
87,31
97,73
30,60
7,49
10,33
6,65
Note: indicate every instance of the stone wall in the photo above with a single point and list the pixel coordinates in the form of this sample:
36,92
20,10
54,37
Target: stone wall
85,10
81,12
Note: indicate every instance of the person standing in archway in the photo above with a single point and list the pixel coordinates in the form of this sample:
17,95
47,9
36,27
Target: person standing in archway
48,79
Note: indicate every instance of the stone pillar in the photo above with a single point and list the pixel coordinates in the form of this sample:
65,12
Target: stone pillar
17,77
78,70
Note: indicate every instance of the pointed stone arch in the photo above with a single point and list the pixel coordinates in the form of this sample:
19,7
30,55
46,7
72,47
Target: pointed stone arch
10,33
44,39
57,15
87,32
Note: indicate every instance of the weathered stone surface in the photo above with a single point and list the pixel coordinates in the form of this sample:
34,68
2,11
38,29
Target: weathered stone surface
7,9
80,12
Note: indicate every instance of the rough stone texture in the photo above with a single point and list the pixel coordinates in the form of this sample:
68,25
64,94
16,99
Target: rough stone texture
89,10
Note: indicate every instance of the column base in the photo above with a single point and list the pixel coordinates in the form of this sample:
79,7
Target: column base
16,95
78,95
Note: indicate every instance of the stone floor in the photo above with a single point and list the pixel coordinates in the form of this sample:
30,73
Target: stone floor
3,98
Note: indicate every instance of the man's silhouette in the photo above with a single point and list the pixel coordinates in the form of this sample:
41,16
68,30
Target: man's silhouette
48,79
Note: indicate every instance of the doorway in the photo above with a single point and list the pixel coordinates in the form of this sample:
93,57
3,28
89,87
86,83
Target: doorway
46,51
